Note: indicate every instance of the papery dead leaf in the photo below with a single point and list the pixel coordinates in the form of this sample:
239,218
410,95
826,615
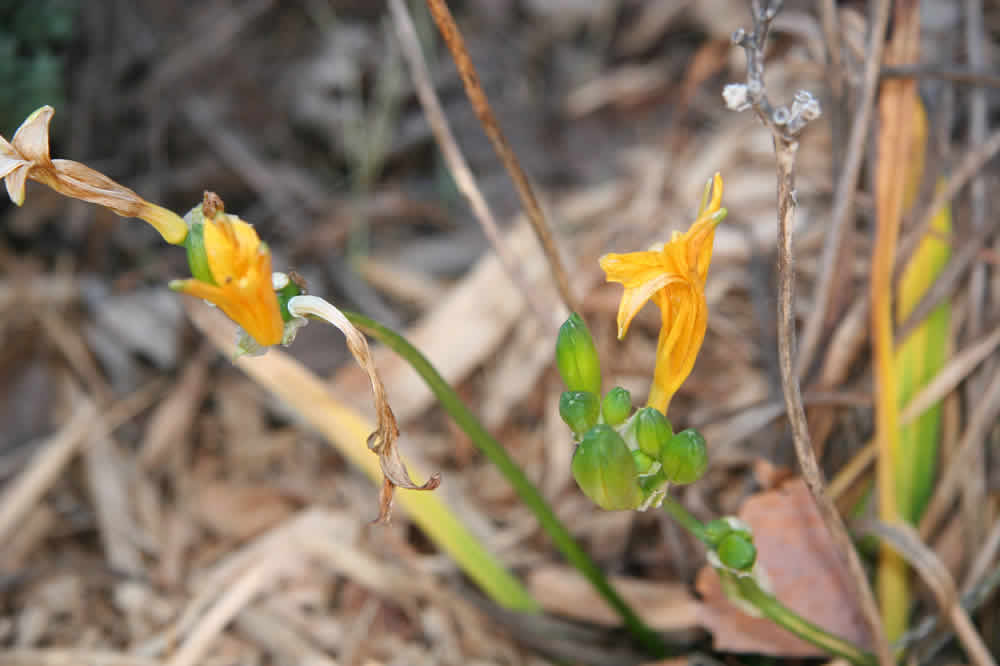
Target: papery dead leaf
383,441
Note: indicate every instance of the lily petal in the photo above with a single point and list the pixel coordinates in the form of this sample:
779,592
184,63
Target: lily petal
633,299
674,277
31,141
14,180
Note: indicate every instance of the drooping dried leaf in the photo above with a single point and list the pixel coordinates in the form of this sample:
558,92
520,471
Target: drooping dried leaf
383,440
805,570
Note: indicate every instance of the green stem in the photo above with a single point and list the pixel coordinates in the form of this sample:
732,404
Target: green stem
769,605
686,519
785,617
526,490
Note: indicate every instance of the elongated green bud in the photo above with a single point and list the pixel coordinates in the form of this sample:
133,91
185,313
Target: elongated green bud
684,457
736,551
617,405
576,357
605,470
652,431
580,410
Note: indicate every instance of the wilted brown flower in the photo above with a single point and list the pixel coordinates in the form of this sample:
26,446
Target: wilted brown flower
27,156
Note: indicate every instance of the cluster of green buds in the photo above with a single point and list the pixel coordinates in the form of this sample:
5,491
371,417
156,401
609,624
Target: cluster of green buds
623,460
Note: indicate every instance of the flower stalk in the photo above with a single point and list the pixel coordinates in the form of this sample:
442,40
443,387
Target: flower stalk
751,591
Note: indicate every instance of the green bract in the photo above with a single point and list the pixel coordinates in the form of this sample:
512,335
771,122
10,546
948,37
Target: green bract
576,357
684,457
616,407
194,243
286,288
580,410
737,551
605,470
652,431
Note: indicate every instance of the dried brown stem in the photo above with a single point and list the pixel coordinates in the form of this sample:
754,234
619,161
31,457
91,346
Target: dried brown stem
843,199
457,165
906,541
973,508
979,77
785,148
484,112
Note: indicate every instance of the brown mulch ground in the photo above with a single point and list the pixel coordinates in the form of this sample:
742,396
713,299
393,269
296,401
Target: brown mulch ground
158,506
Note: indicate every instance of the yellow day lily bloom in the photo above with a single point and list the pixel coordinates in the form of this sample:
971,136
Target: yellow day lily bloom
241,268
672,275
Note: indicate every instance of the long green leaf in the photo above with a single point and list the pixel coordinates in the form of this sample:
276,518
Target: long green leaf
525,489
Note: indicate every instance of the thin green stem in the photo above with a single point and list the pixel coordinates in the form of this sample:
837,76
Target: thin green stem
785,617
526,490
769,605
686,519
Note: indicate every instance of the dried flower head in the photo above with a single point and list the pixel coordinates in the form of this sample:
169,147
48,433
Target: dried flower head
672,275
27,156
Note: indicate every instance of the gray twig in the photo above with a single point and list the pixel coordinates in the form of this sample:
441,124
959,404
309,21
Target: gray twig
455,160
785,125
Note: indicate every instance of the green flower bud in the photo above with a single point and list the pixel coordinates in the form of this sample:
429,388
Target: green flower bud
643,463
605,470
616,407
716,529
684,457
580,410
576,357
736,551
649,481
652,431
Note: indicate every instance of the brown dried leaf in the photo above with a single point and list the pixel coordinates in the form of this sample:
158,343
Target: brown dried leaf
383,441
805,570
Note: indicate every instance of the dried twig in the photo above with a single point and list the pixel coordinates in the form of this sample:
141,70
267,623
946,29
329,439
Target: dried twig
843,198
785,125
480,104
979,77
984,417
973,509
905,541
977,135
972,600
53,455
457,165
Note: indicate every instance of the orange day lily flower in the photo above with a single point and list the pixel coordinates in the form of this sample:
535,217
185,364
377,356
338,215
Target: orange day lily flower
238,279
672,275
